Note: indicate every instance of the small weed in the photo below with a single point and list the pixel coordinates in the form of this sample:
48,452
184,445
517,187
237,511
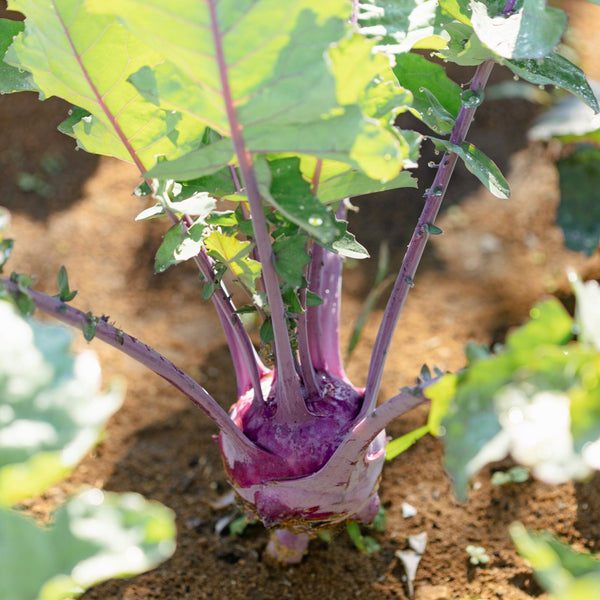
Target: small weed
477,555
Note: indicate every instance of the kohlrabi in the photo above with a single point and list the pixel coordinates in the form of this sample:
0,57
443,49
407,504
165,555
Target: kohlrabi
284,109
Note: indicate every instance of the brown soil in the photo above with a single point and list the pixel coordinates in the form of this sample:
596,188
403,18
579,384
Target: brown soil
481,278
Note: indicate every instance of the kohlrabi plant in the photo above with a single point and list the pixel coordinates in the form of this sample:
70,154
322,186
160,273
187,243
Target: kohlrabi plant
286,110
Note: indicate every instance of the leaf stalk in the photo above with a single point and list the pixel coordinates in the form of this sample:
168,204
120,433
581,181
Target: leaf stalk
290,407
140,352
405,279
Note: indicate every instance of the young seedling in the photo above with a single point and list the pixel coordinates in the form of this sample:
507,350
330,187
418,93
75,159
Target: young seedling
513,475
477,555
286,110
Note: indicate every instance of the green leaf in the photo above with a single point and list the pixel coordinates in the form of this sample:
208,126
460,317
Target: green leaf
480,165
333,181
346,245
22,298
532,32
282,185
94,537
218,184
578,213
52,409
425,80
383,100
65,294
199,204
67,127
12,79
6,247
151,212
459,9
89,328
403,443
401,25
165,255
356,66
560,570
364,543
177,247
225,219
432,229
536,399
512,475
291,258
556,70
436,116
441,394
464,47
549,324
64,47
266,332
235,254
279,88
291,301
313,299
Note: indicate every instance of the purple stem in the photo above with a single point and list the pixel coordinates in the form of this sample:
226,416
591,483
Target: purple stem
309,379
370,426
313,324
325,280
143,354
509,7
404,281
287,547
329,313
247,365
235,178
290,406
354,17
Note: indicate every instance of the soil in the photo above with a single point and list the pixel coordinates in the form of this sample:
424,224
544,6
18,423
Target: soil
496,259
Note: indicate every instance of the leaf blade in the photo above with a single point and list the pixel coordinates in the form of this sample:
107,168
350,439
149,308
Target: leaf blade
64,47
95,536
284,95
480,165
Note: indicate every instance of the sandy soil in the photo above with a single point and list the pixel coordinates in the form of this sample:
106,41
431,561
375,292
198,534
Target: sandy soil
495,260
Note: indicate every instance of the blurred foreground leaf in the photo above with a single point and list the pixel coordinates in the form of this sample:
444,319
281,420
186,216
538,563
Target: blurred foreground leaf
537,398
94,537
51,408
560,570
